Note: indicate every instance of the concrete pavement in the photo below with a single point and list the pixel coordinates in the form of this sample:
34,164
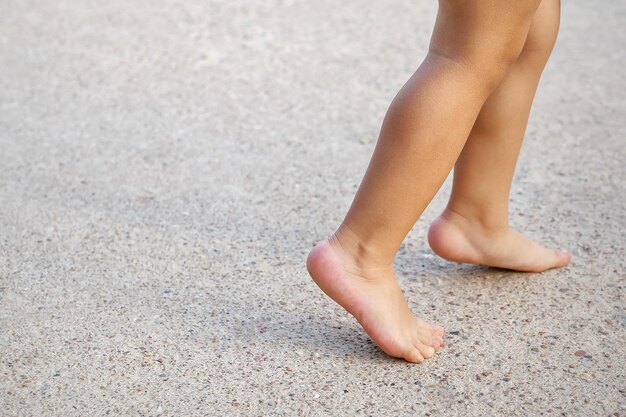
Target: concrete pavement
166,166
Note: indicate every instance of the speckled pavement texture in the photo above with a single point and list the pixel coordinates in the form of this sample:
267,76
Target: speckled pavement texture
166,166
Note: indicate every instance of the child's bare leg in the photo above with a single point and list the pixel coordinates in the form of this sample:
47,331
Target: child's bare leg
473,46
474,226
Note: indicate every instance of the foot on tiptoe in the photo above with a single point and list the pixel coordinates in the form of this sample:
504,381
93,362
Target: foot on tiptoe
460,239
372,295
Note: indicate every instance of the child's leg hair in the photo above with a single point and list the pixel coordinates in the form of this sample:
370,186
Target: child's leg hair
474,226
472,47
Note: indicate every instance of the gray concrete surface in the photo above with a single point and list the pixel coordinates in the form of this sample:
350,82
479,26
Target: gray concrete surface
166,166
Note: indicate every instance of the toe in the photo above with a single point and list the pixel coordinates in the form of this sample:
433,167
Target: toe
437,342
424,337
564,257
430,339
414,356
426,351
430,335
553,258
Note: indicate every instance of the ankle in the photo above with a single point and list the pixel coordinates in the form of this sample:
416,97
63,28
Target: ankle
358,252
486,223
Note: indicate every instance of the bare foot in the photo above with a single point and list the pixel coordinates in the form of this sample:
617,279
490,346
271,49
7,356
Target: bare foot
374,298
457,239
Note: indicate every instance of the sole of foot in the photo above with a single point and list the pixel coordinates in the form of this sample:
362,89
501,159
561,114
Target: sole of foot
373,297
457,239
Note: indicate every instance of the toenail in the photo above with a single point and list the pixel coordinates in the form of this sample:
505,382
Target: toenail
428,352
416,359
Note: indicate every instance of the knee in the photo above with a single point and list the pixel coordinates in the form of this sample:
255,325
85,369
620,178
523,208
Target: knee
543,33
493,61
485,38
487,62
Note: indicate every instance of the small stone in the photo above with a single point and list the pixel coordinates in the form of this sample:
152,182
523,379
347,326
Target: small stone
506,379
588,356
580,353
